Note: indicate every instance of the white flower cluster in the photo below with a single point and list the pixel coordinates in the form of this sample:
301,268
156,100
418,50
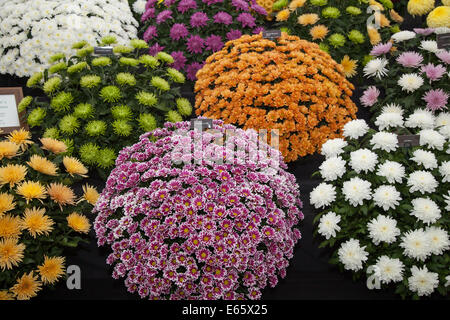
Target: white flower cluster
372,176
32,31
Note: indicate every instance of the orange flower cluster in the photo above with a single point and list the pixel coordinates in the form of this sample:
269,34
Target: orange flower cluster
290,85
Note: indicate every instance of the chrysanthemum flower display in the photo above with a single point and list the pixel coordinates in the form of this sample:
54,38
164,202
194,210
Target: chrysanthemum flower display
385,205
438,16
191,30
99,104
289,85
33,31
415,74
199,215
37,206
344,29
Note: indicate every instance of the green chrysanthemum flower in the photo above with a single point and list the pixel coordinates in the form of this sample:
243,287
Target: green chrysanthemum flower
77,67
95,128
35,79
319,3
354,11
110,94
51,85
56,57
146,98
70,146
184,106
324,47
160,83
89,153
279,5
395,28
101,62
138,44
106,158
79,45
57,67
62,101
173,116
176,75
147,122
90,81
122,128
36,117
24,103
52,132
125,78
108,40
83,52
331,12
69,124
356,36
337,40
366,59
83,111
286,29
163,56
121,112
149,61
122,49
128,62
387,4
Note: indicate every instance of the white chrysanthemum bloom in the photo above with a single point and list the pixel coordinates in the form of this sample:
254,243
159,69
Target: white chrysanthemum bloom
385,141
432,139
416,244
403,36
322,195
376,68
447,201
447,281
355,129
422,281
386,197
333,147
332,168
410,82
392,108
139,6
363,160
389,120
443,119
328,225
444,170
445,131
425,158
439,241
441,30
430,46
389,270
352,255
383,229
356,191
422,181
422,119
425,210
394,172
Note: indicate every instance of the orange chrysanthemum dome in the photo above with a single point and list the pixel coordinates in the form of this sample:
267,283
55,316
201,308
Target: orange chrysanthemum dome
288,84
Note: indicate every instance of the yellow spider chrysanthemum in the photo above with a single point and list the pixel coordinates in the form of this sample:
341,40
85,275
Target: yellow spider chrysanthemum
12,174
90,194
11,253
8,149
283,15
439,17
349,66
78,222
20,137
26,287
53,145
52,269
318,32
395,16
296,4
6,203
420,7
43,165
74,166
5,295
307,19
31,190
61,194
36,222
374,36
10,226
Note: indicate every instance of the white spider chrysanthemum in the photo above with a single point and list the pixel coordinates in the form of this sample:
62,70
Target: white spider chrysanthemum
332,168
441,30
363,160
355,129
410,82
425,210
322,195
432,139
422,281
389,270
403,36
422,181
445,131
392,108
333,147
385,141
439,241
422,119
389,120
383,229
139,6
430,46
394,172
416,244
443,119
386,197
444,170
356,191
328,225
376,68
425,158
352,255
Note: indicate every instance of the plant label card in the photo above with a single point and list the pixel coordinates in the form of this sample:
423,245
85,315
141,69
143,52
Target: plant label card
103,51
9,115
408,141
272,34
443,41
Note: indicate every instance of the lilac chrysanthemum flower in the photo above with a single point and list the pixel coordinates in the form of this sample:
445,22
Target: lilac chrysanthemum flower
410,59
258,30
424,32
191,70
258,9
370,96
436,99
178,31
380,49
234,34
186,5
240,5
155,49
168,3
150,33
199,19
433,72
223,17
163,16
195,44
247,20
214,43
150,13
211,2
179,60
150,3
444,56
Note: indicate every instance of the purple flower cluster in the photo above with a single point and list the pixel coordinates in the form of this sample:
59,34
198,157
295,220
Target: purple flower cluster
202,230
